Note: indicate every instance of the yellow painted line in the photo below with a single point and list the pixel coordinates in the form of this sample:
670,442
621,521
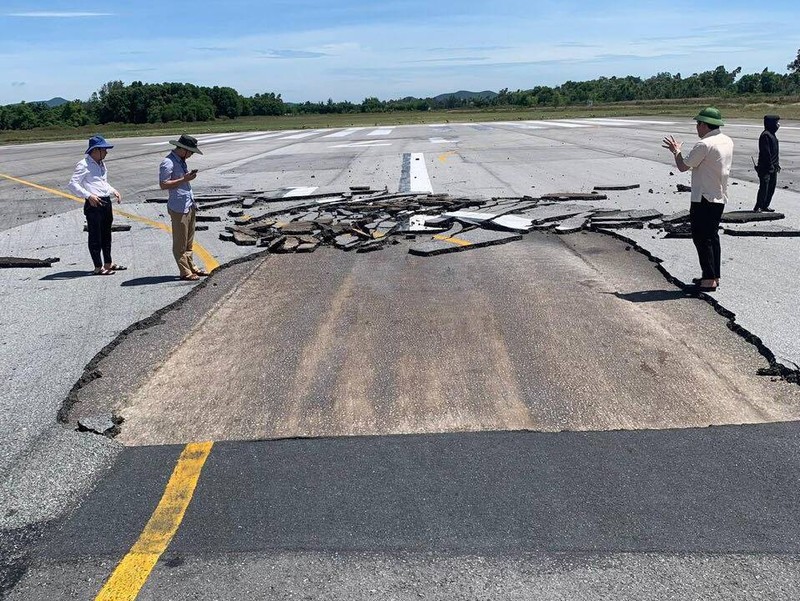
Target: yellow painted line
206,257
132,572
445,156
457,241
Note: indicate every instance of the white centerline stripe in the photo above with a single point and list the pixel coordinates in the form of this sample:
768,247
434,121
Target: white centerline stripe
418,174
383,131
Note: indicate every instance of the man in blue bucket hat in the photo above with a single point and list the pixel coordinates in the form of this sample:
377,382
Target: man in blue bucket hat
90,182
710,161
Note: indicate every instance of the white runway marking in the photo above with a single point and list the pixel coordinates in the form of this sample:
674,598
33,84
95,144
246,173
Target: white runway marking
265,136
420,182
383,131
362,144
219,138
299,136
343,133
301,191
442,141
622,122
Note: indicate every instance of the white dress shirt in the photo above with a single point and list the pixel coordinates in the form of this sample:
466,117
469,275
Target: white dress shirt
90,177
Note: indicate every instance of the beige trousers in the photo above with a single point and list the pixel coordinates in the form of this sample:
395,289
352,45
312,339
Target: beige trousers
182,240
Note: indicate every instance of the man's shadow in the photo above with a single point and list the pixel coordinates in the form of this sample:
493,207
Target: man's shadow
652,296
144,281
66,275
151,280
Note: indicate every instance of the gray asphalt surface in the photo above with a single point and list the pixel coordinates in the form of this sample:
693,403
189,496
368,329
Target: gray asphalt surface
42,355
688,513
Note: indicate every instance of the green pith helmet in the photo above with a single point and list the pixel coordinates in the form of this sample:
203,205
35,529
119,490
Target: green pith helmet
710,115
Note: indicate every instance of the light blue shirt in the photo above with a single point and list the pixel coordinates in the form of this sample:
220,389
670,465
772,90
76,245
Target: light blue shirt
181,198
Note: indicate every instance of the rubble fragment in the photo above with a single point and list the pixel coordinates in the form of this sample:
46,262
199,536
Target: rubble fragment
634,215
574,224
574,196
24,262
104,425
628,187
767,230
744,216
476,238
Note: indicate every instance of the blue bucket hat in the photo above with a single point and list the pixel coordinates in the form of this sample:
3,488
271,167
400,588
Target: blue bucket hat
98,141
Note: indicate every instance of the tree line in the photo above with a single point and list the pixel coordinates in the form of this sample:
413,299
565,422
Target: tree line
140,103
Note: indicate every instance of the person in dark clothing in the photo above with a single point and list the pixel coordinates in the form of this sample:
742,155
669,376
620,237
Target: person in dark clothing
768,166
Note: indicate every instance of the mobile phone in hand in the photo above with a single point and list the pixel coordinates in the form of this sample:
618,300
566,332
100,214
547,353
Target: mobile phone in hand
193,171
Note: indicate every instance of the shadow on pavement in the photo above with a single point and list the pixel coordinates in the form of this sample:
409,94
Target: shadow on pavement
66,275
151,280
651,296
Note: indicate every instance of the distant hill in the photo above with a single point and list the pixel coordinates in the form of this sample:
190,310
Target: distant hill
464,95
57,101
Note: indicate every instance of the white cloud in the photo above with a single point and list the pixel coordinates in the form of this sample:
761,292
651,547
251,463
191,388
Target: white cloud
59,15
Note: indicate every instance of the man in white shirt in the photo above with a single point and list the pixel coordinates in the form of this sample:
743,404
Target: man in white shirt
90,182
710,161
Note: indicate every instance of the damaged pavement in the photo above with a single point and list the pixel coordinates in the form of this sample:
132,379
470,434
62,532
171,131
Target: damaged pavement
365,220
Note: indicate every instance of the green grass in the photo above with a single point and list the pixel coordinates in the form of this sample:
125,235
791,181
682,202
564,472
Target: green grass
750,108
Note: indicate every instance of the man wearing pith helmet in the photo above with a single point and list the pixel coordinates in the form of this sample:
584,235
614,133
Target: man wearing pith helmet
710,161
174,176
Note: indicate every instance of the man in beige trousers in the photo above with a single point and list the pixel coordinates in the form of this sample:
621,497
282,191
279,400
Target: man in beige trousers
174,175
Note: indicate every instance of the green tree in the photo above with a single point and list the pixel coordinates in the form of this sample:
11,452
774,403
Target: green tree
794,66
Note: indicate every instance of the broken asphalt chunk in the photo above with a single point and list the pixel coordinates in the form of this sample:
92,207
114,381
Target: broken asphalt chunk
574,224
745,216
24,262
628,187
466,240
105,425
632,215
767,230
573,196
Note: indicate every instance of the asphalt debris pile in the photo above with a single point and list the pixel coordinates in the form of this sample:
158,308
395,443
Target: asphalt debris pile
364,220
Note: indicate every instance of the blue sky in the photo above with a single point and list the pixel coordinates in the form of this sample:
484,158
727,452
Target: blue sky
350,49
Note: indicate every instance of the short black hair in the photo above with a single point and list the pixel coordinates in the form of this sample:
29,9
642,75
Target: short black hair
712,126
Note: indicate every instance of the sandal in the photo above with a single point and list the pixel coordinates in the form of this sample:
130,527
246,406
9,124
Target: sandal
193,277
201,272
102,271
115,267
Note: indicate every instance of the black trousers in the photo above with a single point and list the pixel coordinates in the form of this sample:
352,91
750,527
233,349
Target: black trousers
704,217
766,188
98,221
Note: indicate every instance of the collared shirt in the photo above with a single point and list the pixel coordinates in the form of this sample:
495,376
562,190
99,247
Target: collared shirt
710,161
90,177
181,198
